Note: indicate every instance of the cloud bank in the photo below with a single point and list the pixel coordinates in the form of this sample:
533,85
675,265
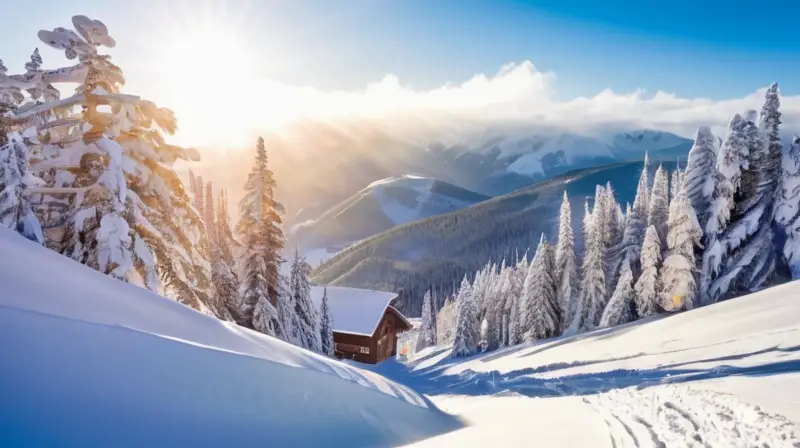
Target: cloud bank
518,95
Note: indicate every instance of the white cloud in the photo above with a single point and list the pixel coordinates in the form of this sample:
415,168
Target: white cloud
517,95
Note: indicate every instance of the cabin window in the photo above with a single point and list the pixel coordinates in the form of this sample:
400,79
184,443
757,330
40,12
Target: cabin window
350,348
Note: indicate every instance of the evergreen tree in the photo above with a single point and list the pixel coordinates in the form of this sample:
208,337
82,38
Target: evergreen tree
225,238
630,247
198,195
465,340
304,316
325,325
593,283
566,271
427,328
262,237
737,218
16,212
223,269
765,162
514,329
659,204
209,216
641,203
540,317
699,175
265,317
618,310
124,210
612,237
648,286
788,208
679,268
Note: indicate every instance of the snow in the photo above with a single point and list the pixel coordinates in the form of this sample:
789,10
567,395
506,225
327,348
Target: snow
720,375
354,311
91,361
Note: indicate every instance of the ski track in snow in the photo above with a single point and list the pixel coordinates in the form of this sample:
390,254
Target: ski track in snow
685,416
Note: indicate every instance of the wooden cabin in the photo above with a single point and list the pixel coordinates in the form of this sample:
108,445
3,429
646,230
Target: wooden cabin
365,324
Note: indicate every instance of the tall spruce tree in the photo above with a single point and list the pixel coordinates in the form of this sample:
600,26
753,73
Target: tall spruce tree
593,292
699,176
123,209
540,317
465,339
262,236
325,325
659,205
678,272
427,329
566,270
305,323
787,214
766,163
736,215
630,248
648,286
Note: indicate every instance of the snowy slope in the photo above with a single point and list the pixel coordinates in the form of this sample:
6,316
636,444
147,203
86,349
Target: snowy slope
380,206
90,361
726,375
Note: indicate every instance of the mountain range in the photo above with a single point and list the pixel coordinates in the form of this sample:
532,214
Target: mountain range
438,250
380,206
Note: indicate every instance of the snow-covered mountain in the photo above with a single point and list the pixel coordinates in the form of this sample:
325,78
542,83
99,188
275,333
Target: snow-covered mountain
718,376
381,205
90,361
569,151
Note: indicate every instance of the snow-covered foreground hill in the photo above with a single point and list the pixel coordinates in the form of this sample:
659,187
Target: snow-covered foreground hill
89,361
726,375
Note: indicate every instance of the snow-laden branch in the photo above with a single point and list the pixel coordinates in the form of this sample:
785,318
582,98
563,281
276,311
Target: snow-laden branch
60,190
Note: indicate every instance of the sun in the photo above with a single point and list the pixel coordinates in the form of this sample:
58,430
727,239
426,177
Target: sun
209,71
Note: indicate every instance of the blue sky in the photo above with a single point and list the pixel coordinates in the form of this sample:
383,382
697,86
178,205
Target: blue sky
717,49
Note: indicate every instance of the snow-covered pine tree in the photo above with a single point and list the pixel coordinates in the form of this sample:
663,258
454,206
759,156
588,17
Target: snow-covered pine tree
699,175
226,240
641,204
199,195
304,318
286,308
465,338
787,214
612,237
618,310
737,216
446,322
566,270
659,204
539,313
209,216
125,209
262,237
630,248
648,286
427,327
16,212
593,283
223,270
765,162
325,325
678,272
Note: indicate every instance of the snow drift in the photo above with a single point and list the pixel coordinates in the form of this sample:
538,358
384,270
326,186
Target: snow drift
721,375
91,361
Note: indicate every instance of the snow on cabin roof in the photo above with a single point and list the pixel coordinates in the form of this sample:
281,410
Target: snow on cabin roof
354,311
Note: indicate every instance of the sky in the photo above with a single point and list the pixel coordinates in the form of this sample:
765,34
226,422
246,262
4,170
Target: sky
274,60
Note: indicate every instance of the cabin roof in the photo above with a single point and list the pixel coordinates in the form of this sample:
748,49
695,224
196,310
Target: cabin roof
355,311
